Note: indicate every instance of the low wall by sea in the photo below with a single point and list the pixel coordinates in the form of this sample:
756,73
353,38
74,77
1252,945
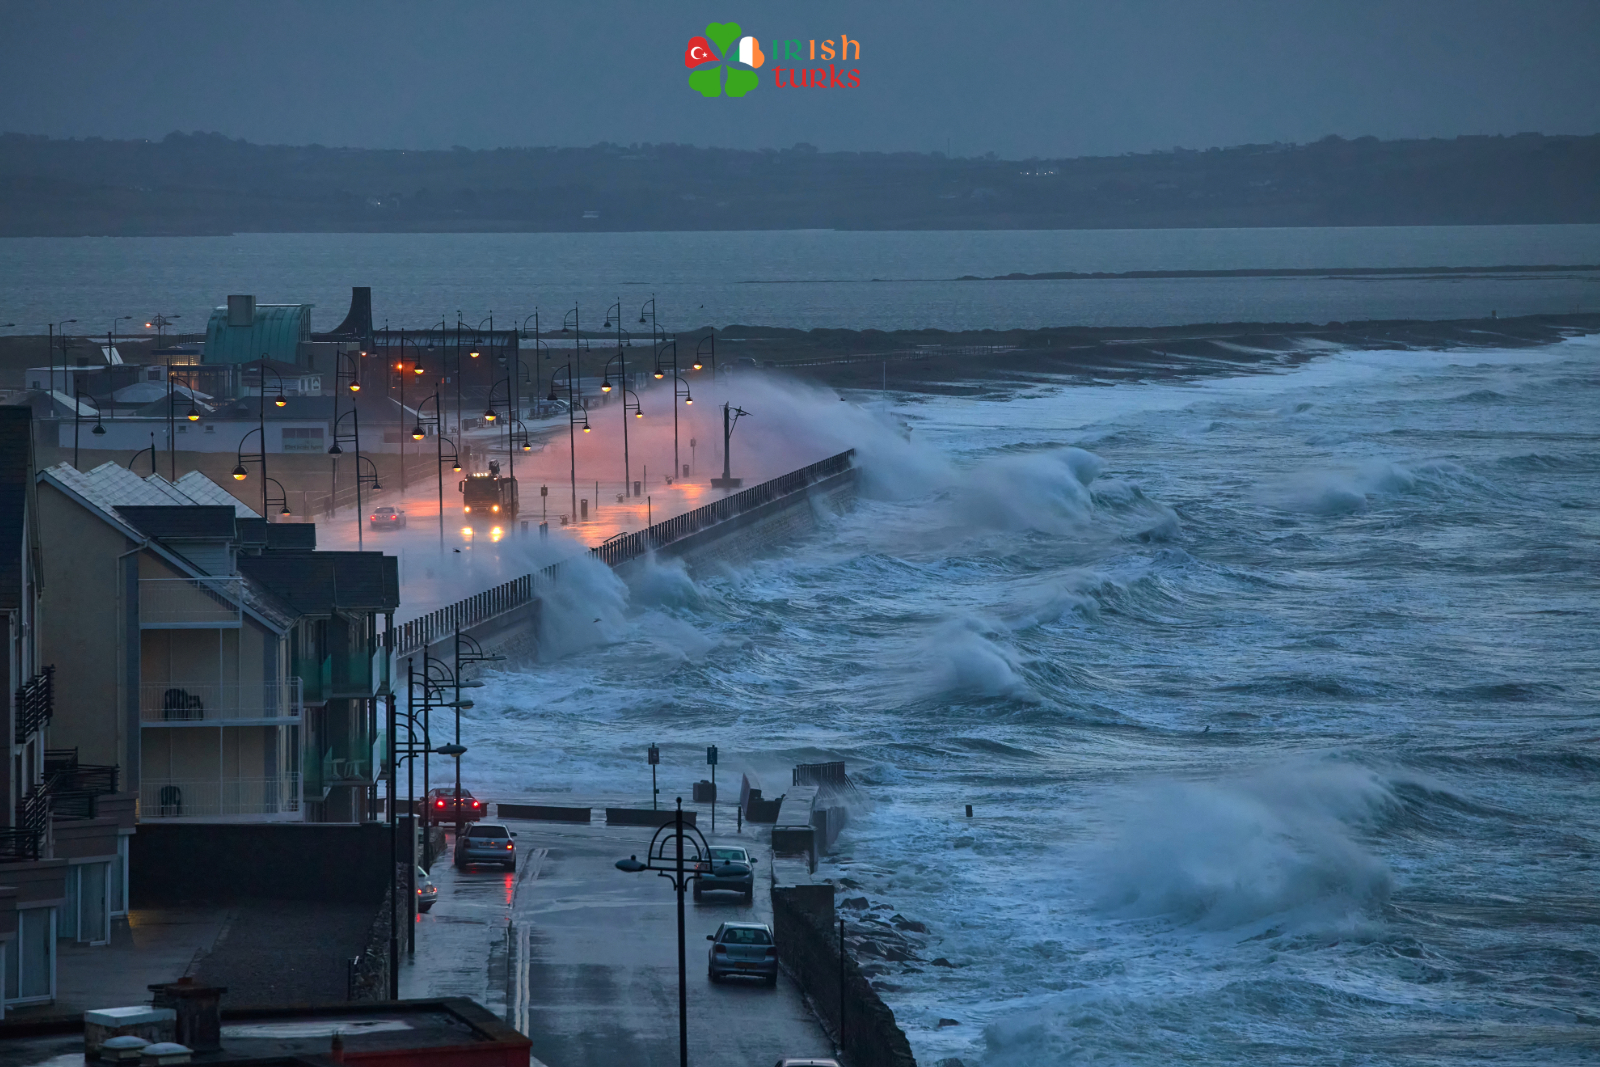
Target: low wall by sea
808,948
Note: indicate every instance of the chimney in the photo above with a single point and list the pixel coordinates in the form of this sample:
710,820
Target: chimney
241,310
199,1011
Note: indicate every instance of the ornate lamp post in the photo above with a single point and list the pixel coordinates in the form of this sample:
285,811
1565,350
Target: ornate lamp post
686,843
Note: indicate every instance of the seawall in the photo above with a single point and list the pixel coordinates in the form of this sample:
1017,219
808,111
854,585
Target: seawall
505,620
861,1024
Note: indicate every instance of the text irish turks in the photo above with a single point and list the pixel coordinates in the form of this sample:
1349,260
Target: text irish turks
833,76
726,62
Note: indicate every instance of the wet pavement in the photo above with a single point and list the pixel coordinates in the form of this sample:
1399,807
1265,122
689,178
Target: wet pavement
583,958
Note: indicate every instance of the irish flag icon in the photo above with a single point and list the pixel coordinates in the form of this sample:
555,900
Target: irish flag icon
750,52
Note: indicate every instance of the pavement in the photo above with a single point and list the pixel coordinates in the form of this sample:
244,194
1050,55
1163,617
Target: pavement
582,957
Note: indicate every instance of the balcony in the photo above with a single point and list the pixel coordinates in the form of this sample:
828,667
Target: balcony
35,704
227,798
197,703
190,603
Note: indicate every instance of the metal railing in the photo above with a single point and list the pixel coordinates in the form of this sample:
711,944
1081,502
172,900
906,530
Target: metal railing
178,798
178,701
425,629
619,550
36,704
176,603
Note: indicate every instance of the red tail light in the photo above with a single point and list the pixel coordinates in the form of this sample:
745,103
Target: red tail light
441,803
476,804
772,950
719,948
510,845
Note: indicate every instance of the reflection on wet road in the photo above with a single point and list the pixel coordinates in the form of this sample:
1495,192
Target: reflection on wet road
583,958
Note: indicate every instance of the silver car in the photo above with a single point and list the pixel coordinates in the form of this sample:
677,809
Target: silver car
427,892
487,842
742,948
730,867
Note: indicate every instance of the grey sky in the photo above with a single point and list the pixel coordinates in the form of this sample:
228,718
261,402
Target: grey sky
1022,78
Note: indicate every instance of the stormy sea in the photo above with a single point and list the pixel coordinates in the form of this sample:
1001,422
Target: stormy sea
1273,694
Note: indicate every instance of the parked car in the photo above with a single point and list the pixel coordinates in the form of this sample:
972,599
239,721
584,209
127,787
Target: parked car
427,892
731,868
443,806
486,843
742,948
387,516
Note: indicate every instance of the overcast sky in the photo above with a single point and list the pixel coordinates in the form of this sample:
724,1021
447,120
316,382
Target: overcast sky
1024,78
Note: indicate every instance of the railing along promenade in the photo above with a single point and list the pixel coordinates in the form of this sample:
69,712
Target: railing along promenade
424,630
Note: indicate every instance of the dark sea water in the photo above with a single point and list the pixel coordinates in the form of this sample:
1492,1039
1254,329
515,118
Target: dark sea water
1275,697
807,279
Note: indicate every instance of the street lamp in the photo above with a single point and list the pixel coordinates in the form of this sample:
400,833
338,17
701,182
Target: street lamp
53,328
77,417
662,373
672,868
572,417
698,364
111,334
730,418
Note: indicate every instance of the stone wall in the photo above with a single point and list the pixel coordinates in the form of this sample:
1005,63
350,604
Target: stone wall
808,949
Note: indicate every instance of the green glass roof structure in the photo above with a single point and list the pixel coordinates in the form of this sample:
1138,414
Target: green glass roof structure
277,333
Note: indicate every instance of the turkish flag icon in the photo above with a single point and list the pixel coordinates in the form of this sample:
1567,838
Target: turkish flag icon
698,52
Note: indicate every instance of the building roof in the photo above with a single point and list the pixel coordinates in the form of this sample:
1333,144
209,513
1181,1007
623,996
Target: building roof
278,536
277,333
189,522
110,486
319,583
16,457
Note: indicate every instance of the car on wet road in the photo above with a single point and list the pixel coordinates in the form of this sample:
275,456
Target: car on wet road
486,843
427,892
745,949
730,868
389,517
444,805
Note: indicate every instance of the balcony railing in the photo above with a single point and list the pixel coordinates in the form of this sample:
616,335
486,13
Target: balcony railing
35,704
181,798
176,702
190,603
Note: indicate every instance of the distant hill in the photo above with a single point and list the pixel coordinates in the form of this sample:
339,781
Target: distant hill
208,184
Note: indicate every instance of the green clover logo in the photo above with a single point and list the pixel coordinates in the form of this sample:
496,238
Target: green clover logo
706,74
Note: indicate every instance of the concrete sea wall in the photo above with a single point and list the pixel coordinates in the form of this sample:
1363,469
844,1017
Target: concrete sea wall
808,948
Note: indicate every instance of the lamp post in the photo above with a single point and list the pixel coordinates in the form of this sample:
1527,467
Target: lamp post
142,451
672,868
111,335
52,350
77,412
730,418
511,422
537,346
362,477
698,362
467,651
158,323
240,474
572,437
418,432
661,373
605,387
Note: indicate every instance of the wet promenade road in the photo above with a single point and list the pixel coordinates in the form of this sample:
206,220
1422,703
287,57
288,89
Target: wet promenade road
583,958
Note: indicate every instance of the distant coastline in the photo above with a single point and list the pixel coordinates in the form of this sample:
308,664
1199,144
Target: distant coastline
1285,272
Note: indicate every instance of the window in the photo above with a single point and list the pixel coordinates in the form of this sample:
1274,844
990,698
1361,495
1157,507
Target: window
210,428
182,428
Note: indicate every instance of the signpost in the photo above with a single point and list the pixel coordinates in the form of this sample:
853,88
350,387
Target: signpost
654,755
711,758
